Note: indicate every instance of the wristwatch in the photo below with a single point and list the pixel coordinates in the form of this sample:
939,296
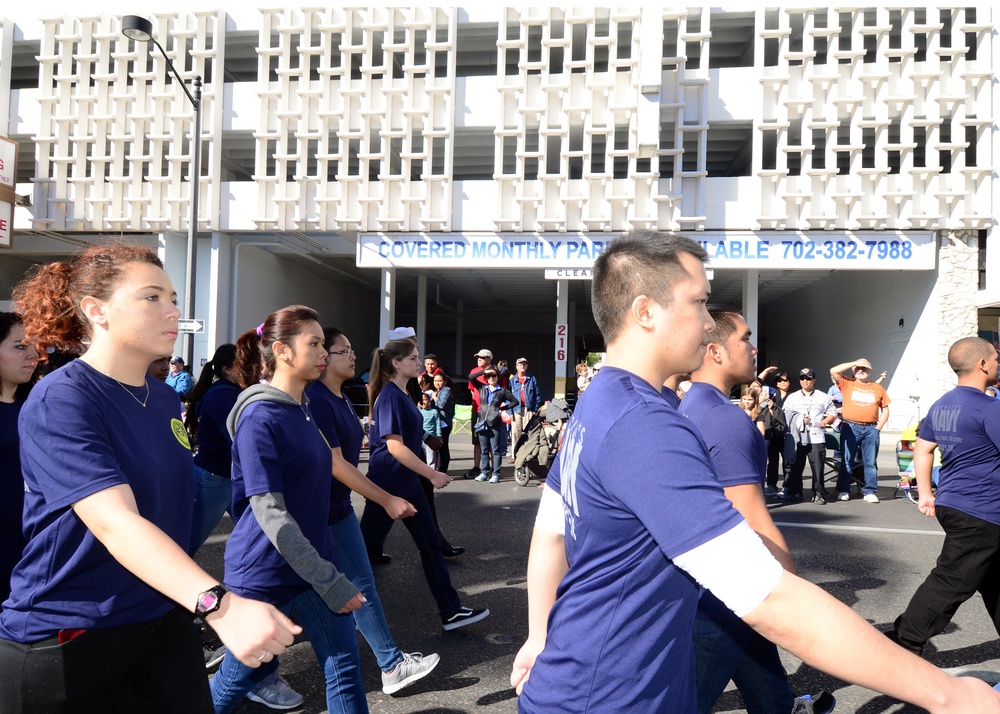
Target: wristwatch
208,602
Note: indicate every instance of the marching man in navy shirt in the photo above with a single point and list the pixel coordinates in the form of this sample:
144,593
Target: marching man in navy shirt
642,532
965,425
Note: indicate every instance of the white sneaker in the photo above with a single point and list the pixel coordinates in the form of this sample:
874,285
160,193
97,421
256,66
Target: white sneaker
844,496
871,498
413,667
276,694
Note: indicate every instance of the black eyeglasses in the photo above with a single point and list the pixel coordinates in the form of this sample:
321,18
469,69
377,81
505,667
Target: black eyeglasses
349,353
492,376
807,379
781,379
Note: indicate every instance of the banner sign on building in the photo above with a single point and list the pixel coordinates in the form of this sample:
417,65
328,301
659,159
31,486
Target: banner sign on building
761,250
8,178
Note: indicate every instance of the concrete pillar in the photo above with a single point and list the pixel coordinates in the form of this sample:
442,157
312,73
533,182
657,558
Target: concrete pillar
387,306
562,346
172,250
459,339
219,316
421,327
751,303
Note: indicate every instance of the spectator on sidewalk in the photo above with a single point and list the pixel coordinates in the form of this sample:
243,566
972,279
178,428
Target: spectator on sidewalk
864,414
179,380
807,412
477,380
524,387
493,399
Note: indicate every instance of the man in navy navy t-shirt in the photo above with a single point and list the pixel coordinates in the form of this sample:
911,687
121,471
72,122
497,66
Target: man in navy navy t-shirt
726,648
965,425
646,522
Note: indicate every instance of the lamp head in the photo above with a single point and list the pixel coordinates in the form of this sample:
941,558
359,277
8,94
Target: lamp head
137,28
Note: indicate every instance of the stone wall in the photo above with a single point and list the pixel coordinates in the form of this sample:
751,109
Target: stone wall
958,276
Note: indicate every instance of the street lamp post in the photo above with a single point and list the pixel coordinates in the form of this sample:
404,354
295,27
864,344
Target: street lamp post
141,30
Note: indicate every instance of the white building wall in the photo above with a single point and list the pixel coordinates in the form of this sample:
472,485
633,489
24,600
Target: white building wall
852,315
267,283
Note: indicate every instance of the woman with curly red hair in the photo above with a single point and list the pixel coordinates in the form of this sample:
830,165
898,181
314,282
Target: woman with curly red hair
17,371
105,602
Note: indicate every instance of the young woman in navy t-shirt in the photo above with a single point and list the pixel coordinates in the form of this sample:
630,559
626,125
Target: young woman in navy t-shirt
209,404
17,368
396,463
93,622
339,423
281,550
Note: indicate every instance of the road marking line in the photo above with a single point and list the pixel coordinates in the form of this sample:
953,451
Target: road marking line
865,529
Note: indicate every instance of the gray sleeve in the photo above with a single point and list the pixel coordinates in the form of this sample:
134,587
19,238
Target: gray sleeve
286,536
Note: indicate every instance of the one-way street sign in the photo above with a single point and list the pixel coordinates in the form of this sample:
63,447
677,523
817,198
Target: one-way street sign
190,325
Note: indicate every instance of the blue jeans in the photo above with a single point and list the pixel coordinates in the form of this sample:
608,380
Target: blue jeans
335,644
375,526
489,442
213,495
369,618
852,438
736,652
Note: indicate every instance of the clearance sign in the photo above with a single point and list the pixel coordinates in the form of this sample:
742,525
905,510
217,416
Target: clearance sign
8,162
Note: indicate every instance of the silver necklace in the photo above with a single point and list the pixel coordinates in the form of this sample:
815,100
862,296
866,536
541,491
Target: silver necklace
129,392
305,410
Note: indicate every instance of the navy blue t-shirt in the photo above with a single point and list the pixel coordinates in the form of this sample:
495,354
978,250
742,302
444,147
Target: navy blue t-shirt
81,433
738,451
739,455
638,489
11,495
965,424
277,451
395,413
339,423
215,448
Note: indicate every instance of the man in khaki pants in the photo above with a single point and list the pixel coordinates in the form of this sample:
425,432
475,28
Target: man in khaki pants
524,387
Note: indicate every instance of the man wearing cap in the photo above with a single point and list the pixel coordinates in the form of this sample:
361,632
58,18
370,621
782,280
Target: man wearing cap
807,413
524,387
864,413
477,380
178,379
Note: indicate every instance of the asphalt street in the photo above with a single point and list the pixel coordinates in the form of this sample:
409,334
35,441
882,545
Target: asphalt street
870,556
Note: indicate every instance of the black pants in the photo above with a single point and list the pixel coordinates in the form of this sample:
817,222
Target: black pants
375,526
815,454
153,667
969,563
428,488
775,450
444,455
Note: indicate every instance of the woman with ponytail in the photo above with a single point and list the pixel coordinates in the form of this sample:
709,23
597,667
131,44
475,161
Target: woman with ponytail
105,602
396,464
281,550
339,423
210,402
17,371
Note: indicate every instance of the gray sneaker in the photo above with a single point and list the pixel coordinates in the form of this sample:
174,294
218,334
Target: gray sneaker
413,667
276,694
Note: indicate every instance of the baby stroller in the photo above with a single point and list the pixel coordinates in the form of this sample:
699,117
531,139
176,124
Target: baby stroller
539,443
904,461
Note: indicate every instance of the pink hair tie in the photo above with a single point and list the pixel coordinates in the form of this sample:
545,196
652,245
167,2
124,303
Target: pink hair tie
260,330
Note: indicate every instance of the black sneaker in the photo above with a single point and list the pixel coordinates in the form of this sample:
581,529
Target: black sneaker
450,551
472,473
822,703
380,559
464,616
819,500
786,495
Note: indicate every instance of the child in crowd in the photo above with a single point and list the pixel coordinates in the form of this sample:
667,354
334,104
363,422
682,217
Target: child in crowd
432,425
